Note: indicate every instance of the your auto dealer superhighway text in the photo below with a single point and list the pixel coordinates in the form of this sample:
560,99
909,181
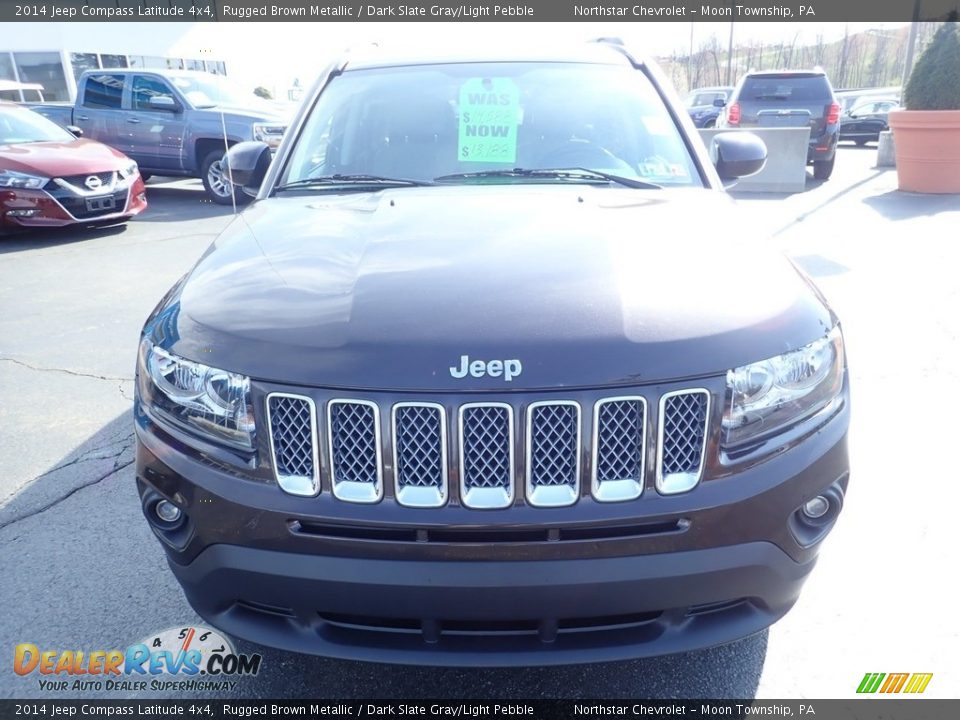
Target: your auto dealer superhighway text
452,12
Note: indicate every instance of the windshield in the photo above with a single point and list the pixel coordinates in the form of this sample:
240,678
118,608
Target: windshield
19,125
471,120
203,91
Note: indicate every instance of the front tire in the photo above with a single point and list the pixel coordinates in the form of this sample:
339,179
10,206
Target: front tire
216,184
823,169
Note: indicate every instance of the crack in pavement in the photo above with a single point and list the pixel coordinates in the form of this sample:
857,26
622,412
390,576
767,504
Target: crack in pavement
117,467
67,371
88,456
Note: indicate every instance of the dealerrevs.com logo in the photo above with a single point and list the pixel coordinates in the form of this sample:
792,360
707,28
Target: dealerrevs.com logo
179,659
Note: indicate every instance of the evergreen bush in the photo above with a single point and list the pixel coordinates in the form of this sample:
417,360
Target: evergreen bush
934,82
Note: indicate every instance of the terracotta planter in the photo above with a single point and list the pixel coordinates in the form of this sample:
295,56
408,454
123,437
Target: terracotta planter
927,149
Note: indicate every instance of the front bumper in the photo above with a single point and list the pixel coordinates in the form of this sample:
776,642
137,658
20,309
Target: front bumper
23,209
517,586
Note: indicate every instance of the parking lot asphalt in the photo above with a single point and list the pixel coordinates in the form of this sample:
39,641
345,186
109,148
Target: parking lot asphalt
80,570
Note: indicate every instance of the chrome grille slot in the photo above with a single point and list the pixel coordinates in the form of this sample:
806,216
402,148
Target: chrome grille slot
293,448
420,454
355,463
683,437
619,448
553,453
486,455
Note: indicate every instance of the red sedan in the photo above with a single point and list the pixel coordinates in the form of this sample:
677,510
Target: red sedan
50,178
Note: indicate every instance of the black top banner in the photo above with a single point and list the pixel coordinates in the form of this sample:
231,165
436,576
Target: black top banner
476,11
860,709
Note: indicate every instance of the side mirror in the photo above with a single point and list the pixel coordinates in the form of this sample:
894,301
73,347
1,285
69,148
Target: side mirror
75,131
163,102
246,164
737,154
719,102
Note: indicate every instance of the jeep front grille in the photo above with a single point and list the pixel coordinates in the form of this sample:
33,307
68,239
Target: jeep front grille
293,443
486,455
420,454
553,453
683,437
619,448
484,443
354,438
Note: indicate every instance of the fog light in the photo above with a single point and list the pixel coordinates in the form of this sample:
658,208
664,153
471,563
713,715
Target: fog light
816,508
22,213
167,511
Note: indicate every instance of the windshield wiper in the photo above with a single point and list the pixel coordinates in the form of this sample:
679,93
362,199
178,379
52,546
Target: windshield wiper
576,173
354,179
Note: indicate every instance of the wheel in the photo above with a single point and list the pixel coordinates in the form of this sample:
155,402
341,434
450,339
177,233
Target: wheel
861,142
823,169
216,184
711,123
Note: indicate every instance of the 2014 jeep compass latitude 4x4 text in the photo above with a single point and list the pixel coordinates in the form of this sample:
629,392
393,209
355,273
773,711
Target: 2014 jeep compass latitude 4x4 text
476,380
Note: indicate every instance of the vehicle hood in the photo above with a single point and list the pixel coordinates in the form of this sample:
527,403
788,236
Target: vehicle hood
56,159
585,286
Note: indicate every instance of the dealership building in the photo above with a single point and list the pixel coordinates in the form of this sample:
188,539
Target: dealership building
55,54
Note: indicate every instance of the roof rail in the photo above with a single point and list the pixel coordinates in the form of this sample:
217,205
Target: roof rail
616,44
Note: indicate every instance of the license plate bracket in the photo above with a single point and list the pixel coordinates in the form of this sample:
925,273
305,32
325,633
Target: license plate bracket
98,204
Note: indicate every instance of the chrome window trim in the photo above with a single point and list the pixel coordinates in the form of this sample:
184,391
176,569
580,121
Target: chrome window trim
350,491
314,437
551,495
625,489
486,498
681,482
421,497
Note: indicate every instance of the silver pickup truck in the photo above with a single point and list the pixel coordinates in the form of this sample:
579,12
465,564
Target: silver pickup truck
171,122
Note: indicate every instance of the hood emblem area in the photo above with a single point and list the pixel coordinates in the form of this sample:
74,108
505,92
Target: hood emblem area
507,369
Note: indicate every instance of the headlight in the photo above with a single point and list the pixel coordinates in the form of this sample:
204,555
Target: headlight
208,401
130,171
766,397
268,133
14,179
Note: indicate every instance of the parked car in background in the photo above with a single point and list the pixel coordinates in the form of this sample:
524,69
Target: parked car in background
50,178
705,104
789,98
171,122
11,90
866,121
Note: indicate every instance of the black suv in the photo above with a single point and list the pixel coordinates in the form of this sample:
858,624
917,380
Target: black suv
473,381
788,98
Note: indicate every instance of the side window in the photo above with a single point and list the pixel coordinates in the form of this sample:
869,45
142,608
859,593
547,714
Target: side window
103,91
146,87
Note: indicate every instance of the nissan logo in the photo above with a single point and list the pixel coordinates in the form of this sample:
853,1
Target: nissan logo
93,182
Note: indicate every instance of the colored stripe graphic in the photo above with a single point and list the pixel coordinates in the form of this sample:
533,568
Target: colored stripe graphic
918,682
894,683
870,682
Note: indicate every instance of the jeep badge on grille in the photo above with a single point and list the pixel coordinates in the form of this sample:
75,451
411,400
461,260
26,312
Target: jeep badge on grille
509,369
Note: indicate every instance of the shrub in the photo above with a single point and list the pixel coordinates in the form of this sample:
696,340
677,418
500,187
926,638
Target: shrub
934,83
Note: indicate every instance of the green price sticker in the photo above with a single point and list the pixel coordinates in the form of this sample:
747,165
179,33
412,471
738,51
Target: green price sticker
489,115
